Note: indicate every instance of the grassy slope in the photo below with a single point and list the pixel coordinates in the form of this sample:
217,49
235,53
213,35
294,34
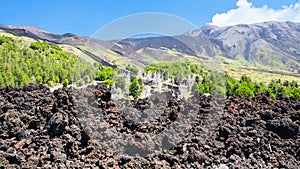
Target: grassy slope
110,55
235,69
67,48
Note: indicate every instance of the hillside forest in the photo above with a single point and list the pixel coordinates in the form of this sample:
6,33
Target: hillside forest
49,64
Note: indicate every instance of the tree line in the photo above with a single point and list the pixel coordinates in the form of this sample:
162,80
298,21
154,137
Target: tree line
211,81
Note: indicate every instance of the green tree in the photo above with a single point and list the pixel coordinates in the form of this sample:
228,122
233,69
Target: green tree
231,85
65,83
206,85
39,79
50,83
296,93
135,87
56,79
105,73
294,84
244,89
268,91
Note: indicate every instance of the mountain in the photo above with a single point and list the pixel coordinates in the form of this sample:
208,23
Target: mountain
270,44
261,47
39,34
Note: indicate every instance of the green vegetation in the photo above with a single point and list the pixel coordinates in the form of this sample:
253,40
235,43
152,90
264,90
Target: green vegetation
47,63
245,86
5,39
105,73
135,87
65,82
236,69
205,86
132,68
274,89
175,70
39,79
41,62
209,81
286,88
13,33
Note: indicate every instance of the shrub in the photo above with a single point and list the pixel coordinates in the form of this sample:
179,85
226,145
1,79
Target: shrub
108,82
39,79
65,83
132,68
50,83
244,89
41,46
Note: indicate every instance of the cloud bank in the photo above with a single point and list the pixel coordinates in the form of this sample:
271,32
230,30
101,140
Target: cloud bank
247,13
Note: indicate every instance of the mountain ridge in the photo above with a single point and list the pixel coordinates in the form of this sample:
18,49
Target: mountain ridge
273,45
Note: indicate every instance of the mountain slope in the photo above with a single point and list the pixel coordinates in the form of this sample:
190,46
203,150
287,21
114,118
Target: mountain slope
272,46
271,43
39,34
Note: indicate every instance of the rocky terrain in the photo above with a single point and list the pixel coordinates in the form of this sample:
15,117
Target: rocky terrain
41,129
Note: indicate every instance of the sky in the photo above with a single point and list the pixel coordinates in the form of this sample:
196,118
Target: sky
85,17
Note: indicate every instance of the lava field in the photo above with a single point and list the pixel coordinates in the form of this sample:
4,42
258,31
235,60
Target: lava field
86,128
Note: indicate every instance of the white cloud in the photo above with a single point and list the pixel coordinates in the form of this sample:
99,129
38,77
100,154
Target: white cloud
246,13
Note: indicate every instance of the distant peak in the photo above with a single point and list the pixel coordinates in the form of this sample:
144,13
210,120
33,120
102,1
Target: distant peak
68,35
29,28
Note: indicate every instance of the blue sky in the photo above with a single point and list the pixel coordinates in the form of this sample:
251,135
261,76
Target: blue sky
84,17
